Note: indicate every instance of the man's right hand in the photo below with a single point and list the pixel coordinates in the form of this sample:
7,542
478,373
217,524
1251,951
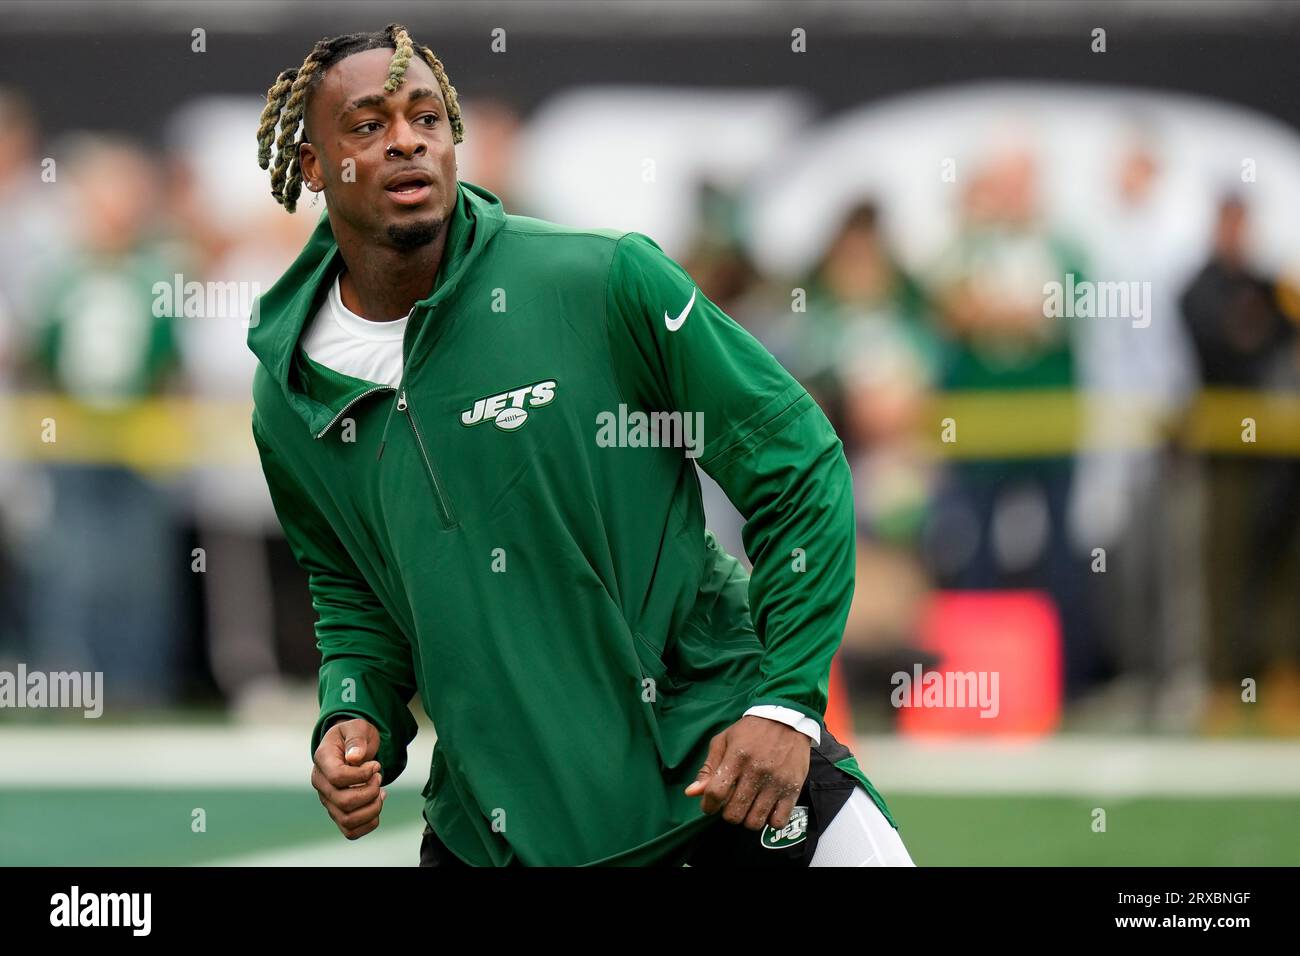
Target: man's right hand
347,777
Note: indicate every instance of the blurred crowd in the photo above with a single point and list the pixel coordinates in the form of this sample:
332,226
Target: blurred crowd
177,585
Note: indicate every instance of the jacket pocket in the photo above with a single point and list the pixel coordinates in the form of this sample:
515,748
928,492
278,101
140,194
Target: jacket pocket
716,654
652,664
711,664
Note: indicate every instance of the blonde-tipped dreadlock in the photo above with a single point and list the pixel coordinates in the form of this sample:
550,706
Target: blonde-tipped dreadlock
286,100
401,57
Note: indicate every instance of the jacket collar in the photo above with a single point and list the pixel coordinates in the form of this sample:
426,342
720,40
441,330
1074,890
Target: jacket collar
317,394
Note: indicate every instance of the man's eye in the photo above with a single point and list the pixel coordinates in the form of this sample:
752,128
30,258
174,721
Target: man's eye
362,128
431,117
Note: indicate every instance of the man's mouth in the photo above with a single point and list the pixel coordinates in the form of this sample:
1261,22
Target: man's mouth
409,189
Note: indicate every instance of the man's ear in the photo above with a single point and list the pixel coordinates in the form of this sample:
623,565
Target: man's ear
310,164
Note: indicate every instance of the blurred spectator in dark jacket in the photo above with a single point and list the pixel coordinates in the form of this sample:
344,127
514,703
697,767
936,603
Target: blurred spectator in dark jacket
1231,312
1244,340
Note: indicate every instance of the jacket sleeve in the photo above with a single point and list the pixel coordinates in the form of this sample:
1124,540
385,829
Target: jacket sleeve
366,668
766,443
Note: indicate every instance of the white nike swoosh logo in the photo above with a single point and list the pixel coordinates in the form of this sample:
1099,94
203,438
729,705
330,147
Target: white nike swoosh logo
675,324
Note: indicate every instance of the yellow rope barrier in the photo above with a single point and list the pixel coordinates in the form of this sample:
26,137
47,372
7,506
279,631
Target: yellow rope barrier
174,434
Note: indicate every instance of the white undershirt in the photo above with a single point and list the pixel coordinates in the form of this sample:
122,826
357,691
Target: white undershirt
340,339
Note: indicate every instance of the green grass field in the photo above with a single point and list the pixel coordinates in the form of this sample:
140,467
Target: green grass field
89,794
1057,831
153,827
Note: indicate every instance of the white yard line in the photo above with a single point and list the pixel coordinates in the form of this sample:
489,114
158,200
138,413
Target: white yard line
236,757
249,757
1084,766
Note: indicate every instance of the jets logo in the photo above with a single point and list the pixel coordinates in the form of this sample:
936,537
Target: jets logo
793,833
509,410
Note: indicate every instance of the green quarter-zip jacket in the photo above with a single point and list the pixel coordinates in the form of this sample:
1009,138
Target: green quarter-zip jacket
517,533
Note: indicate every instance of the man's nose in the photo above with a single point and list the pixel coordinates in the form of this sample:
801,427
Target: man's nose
406,143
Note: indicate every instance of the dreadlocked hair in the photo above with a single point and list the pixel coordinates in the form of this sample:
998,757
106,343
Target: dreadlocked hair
286,100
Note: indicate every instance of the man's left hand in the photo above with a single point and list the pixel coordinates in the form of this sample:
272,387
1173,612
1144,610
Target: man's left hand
754,772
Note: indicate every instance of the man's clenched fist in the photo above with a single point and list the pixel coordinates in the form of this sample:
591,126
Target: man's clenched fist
347,777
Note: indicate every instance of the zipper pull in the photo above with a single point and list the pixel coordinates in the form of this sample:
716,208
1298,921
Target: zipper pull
383,439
